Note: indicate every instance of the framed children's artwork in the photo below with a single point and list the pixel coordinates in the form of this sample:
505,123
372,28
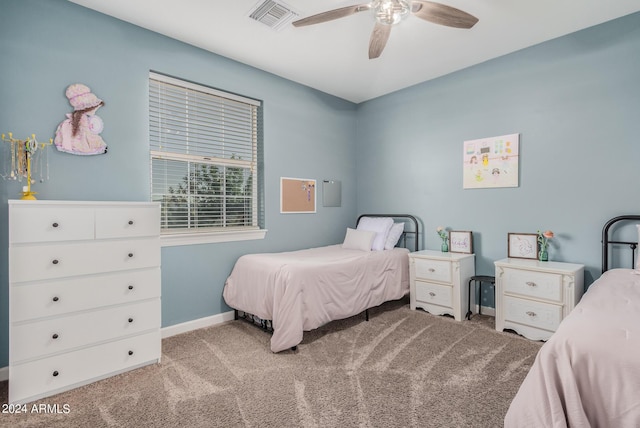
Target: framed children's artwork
522,245
491,162
297,195
461,241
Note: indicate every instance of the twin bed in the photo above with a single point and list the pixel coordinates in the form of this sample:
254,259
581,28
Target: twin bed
588,373
292,292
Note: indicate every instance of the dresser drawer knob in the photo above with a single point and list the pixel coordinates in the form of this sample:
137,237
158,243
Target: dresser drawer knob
55,336
55,298
130,255
531,313
55,224
130,287
130,319
130,352
55,373
432,270
55,261
432,294
130,222
531,284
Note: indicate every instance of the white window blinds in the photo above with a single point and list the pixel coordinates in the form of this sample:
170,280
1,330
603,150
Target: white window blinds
203,145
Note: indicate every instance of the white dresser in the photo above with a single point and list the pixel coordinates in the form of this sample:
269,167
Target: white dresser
84,292
439,282
532,297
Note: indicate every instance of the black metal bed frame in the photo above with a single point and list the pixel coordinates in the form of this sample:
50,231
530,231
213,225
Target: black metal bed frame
267,325
607,242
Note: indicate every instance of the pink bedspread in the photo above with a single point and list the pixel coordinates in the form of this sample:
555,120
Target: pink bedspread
588,373
302,290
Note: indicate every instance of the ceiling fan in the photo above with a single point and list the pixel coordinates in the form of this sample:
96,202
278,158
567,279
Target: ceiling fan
389,12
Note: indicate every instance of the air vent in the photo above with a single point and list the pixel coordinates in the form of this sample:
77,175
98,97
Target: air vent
272,14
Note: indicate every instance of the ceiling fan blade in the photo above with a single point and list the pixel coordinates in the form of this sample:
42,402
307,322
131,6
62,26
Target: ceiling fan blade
443,15
331,15
378,40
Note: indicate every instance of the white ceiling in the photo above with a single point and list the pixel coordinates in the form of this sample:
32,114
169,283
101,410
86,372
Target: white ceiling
333,56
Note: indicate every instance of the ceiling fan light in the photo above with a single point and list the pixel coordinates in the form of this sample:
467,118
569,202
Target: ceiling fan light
391,12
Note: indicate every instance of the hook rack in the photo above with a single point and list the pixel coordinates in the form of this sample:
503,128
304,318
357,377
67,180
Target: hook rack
22,155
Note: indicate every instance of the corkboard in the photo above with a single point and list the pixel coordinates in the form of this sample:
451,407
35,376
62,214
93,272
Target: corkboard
297,195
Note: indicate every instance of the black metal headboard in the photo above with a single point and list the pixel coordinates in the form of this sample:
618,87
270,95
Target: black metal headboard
406,218
606,241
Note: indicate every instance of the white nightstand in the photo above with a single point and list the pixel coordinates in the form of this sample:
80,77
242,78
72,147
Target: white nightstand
439,282
532,297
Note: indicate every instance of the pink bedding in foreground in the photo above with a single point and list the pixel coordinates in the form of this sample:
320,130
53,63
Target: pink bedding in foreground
588,373
302,290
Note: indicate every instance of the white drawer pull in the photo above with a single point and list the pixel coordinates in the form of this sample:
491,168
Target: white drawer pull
531,313
432,270
531,284
432,294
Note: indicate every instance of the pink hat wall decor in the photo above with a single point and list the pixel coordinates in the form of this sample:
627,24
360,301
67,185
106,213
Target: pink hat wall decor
79,133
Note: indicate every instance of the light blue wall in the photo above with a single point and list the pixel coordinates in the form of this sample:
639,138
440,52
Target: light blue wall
575,101
45,45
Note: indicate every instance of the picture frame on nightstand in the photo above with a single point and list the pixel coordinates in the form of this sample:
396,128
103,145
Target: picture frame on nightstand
522,245
461,241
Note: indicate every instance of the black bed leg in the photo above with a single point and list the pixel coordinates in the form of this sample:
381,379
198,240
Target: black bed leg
294,348
366,314
235,314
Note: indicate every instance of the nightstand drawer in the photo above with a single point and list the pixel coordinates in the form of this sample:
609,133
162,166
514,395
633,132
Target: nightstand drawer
546,316
433,293
540,285
433,270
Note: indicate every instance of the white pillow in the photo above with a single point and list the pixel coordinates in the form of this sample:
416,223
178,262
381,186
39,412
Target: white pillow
379,225
394,236
358,239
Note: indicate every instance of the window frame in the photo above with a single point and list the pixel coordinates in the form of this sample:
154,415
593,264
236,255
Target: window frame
206,235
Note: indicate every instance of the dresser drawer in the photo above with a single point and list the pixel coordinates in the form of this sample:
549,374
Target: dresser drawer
434,293
116,222
540,285
432,270
44,299
43,377
546,316
38,223
48,261
40,338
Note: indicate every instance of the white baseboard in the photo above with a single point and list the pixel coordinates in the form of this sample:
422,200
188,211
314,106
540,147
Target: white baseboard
486,310
185,327
172,330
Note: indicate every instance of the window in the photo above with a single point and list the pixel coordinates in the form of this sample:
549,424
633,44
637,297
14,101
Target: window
204,160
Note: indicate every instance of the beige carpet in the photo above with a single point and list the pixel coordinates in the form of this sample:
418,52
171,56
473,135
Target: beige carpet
403,368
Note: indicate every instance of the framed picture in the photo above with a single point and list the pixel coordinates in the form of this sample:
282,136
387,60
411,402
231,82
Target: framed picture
522,245
461,241
491,162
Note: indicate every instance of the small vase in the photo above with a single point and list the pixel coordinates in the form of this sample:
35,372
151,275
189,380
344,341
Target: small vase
543,256
444,247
